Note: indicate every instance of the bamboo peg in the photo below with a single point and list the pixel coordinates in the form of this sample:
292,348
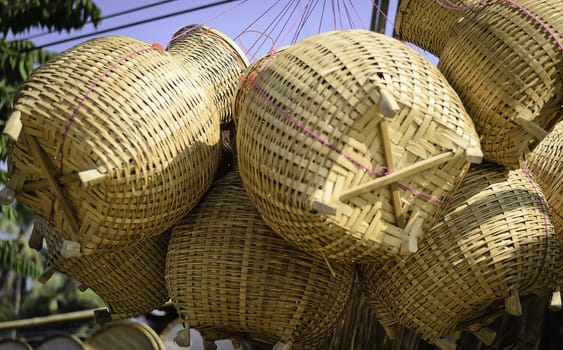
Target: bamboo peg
474,155
13,126
387,104
323,208
46,275
512,304
486,335
7,196
70,249
35,240
93,176
446,344
555,302
390,331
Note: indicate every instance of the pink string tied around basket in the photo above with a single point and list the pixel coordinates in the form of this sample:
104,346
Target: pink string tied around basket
380,171
452,6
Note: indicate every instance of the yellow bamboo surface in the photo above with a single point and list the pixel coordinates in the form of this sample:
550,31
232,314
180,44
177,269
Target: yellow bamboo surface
230,276
494,244
546,165
508,69
130,281
218,60
349,142
117,140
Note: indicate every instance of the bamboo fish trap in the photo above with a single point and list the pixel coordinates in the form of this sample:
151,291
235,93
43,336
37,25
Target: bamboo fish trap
112,141
130,281
495,242
505,60
546,164
219,61
426,23
230,276
349,142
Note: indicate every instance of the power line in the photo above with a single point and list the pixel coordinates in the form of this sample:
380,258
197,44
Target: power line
135,23
117,14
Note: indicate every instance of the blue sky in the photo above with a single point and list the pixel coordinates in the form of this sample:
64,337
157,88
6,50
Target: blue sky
231,18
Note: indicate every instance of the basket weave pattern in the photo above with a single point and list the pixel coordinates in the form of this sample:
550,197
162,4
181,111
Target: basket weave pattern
134,116
129,281
219,61
495,242
546,164
230,275
508,71
311,130
426,24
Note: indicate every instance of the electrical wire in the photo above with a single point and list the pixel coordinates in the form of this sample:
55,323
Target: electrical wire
128,25
117,14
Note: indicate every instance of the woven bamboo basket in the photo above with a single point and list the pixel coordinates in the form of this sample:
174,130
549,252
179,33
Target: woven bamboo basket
508,71
62,341
130,281
247,80
495,243
546,165
219,61
427,23
349,142
230,276
113,141
125,335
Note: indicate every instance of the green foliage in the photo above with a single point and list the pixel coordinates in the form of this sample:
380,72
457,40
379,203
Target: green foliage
59,295
19,58
17,256
18,16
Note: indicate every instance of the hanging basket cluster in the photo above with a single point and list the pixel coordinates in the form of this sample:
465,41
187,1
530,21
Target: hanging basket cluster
355,156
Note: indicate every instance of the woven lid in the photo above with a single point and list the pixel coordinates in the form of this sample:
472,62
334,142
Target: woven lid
506,63
495,243
116,141
130,281
229,275
546,165
125,335
349,141
218,60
